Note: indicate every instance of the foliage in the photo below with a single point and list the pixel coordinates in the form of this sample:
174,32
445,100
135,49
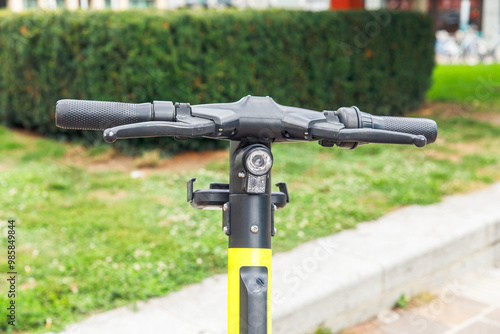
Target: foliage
402,302
380,61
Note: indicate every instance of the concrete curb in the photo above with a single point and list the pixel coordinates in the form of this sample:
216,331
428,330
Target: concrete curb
340,280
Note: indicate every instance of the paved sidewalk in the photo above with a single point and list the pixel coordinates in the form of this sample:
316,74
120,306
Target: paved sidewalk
465,306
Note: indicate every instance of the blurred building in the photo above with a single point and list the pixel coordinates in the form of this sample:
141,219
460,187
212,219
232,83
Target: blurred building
418,5
449,15
454,15
19,5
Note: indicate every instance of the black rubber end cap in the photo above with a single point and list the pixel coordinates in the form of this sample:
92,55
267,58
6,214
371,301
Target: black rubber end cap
420,141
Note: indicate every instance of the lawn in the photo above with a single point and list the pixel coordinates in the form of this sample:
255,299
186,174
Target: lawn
91,239
472,85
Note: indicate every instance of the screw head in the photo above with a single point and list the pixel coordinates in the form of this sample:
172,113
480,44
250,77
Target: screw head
225,207
275,231
254,228
241,174
225,229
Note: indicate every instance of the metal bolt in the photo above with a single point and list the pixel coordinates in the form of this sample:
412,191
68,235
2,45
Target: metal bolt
306,133
275,208
220,130
254,228
226,230
275,231
241,174
225,207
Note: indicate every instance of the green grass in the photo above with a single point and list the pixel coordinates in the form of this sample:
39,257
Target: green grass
91,241
466,84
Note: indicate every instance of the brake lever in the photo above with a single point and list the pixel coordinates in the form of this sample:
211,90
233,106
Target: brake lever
197,127
333,133
381,137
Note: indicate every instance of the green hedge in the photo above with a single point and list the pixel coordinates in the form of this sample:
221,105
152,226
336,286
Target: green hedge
380,61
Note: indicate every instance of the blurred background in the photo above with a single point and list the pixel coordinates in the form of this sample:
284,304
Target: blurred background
101,226
449,15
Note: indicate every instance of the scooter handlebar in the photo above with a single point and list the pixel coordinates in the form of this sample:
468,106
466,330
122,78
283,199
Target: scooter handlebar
244,119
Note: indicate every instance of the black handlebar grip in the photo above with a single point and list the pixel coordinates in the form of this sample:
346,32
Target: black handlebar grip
354,118
99,115
416,126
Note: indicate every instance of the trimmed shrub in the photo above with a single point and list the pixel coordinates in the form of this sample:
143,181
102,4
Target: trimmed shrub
380,61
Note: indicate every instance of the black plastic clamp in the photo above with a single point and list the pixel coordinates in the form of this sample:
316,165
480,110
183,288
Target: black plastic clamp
218,194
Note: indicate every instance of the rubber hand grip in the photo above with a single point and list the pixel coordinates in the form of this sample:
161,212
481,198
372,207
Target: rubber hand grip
99,115
416,126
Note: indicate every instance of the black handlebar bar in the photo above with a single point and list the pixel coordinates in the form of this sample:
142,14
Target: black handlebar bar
251,118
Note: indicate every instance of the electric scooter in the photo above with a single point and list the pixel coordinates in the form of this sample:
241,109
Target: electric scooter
248,203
